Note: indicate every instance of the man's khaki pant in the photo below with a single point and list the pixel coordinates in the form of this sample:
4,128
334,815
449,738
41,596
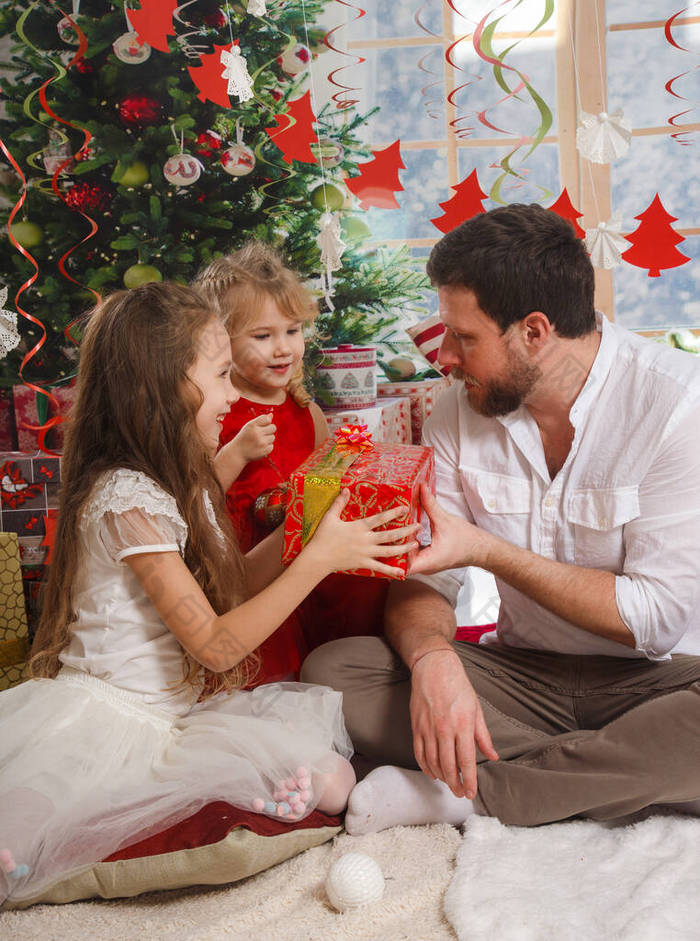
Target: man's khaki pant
577,735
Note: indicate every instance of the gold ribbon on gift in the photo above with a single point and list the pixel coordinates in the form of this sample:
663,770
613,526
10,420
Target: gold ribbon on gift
322,485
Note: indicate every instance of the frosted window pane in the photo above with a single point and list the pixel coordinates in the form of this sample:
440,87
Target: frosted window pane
393,18
637,11
423,180
644,57
672,300
537,179
656,164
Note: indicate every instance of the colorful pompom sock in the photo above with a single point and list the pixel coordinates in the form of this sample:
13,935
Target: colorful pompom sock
290,797
8,865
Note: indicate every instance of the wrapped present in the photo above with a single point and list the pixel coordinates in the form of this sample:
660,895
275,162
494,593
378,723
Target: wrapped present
32,411
379,476
8,432
29,485
14,641
423,395
388,421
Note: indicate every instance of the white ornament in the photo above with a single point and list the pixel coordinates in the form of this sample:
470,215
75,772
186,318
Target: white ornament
354,880
330,152
295,60
602,138
238,160
9,336
332,247
66,31
55,154
127,48
257,7
182,169
236,71
605,243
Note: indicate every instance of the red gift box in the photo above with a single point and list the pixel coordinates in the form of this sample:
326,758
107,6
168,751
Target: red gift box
423,395
380,477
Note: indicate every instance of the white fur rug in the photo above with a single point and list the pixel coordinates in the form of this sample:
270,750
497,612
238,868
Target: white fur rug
578,881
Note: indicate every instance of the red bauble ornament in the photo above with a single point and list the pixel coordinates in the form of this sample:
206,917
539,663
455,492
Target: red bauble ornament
216,19
139,111
208,142
89,197
84,66
269,507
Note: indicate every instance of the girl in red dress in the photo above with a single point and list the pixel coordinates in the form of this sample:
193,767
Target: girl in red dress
276,425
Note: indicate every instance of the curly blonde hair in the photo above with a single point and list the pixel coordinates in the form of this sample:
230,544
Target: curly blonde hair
135,408
239,284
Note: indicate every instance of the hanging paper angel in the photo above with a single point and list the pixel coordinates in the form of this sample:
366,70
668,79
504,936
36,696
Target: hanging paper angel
332,248
9,335
236,71
605,243
602,138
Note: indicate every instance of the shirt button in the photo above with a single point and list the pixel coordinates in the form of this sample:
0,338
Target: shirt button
603,522
549,501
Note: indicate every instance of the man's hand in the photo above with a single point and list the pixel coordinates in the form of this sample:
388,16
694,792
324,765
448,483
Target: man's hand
447,722
454,542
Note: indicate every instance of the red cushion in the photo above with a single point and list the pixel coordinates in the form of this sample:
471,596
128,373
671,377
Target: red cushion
473,634
211,824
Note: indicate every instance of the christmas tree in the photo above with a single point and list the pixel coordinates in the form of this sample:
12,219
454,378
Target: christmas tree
140,166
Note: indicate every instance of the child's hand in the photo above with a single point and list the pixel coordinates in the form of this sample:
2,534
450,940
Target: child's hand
256,438
341,545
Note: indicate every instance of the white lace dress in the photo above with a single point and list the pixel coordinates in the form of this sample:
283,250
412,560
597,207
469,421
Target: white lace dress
115,748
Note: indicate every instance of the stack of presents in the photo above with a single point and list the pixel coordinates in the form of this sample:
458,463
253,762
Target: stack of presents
374,449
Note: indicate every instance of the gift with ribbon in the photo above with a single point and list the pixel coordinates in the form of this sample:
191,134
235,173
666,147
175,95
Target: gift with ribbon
14,642
379,476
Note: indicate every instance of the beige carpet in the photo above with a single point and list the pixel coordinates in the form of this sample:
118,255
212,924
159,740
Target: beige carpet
286,903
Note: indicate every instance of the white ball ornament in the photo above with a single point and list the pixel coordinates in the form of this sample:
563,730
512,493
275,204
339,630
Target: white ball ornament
127,48
66,32
295,60
182,169
238,160
354,880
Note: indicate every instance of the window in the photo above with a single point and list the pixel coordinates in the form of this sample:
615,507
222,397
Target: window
427,67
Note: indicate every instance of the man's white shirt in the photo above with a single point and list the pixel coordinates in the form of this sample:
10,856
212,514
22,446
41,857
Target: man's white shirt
627,499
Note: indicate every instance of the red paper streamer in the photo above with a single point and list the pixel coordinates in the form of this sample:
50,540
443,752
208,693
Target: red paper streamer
38,390
342,103
680,136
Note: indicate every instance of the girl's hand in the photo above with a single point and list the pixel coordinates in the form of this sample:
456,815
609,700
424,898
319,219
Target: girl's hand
340,545
454,542
256,438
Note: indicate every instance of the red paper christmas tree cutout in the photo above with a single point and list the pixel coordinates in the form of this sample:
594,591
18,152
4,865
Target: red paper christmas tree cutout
654,241
295,133
153,23
379,179
465,203
564,208
208,80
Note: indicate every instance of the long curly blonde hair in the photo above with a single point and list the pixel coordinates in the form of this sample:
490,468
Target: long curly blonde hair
239,284
136,408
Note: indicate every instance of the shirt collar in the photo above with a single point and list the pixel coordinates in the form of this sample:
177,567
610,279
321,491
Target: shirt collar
604,358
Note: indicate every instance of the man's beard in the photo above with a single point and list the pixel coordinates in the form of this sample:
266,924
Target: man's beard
498,397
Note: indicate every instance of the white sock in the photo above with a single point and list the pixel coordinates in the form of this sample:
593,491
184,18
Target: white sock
393,797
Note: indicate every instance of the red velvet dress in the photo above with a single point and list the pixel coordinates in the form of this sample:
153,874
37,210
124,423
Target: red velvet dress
342,605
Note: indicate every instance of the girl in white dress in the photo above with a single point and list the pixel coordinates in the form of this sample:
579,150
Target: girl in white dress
135,717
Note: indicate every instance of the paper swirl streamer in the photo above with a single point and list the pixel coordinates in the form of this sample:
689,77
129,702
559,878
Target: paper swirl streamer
344,102
680,136
605,243
602,138
482,41
38,390
191,50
